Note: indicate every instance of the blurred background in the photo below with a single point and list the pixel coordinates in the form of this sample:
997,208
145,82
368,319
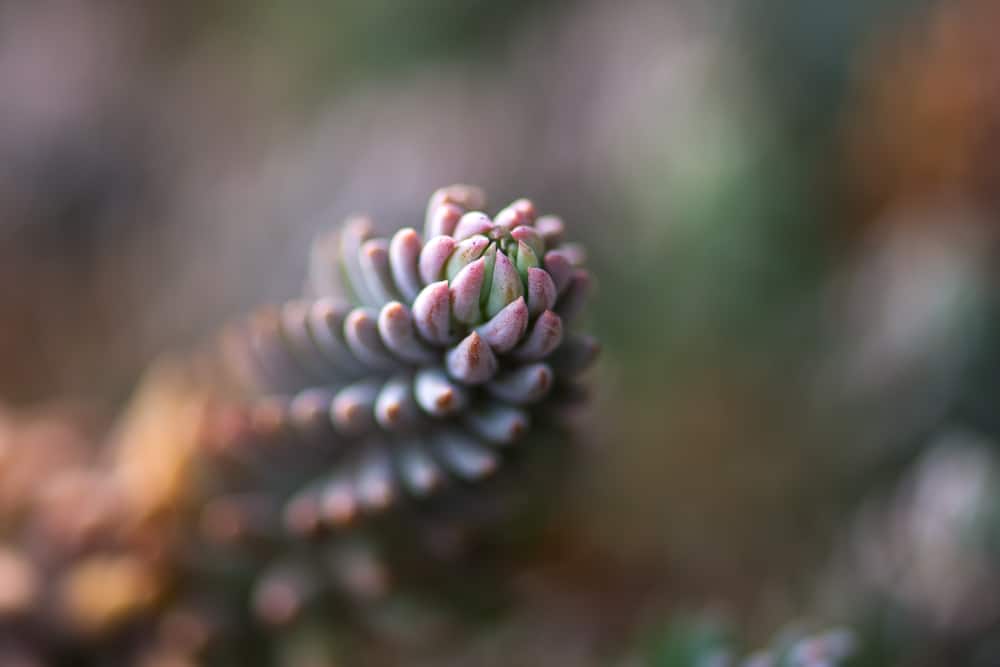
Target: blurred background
790,207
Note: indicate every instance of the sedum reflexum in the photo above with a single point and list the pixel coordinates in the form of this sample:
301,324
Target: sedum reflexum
413,361
411,370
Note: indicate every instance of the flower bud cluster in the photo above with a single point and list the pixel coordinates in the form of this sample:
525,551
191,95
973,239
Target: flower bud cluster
414,361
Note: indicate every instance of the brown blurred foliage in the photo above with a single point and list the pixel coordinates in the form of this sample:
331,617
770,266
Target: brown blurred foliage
926,127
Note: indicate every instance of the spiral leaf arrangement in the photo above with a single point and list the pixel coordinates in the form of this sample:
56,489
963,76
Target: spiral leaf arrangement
413,361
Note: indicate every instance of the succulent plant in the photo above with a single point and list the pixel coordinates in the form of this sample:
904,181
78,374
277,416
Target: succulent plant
402,380
411,371
706,640
413,360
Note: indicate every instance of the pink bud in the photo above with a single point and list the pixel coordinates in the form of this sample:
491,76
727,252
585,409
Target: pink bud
552,229
542,340
417,470
361,334
374,261
497,423
437,395
527,384
441,220
472,223
395,326
507,327
541,291
404,260
432,313
472,361
434,256
560,268
465,289
506,286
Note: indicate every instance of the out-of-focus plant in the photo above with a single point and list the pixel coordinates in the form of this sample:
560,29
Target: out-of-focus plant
707,641
219,523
